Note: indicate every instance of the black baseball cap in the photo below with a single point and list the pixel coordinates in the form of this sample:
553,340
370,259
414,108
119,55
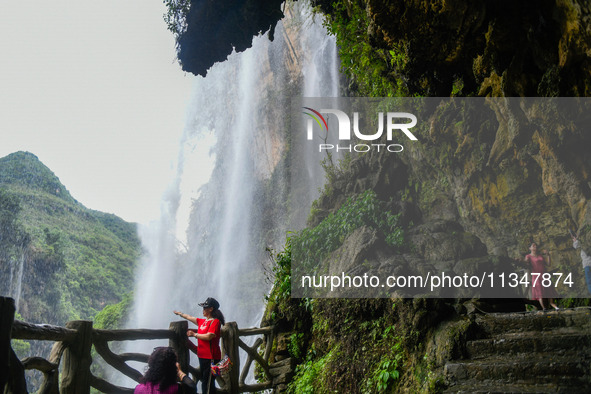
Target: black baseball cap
210,302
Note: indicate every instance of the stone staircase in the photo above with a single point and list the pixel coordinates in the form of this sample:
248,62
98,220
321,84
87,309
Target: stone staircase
528,352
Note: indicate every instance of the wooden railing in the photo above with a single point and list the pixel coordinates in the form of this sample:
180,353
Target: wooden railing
73,345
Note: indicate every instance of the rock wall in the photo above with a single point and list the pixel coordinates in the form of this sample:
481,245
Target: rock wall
471,198
486,178
498,48
520,172
213,30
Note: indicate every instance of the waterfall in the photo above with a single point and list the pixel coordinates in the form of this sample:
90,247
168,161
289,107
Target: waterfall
16,269
228,201
19,279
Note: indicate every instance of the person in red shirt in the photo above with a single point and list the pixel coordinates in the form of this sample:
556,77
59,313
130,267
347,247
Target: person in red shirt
208,340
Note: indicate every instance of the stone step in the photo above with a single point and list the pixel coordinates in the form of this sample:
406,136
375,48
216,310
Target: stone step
500,323
560,341
542,367
493,386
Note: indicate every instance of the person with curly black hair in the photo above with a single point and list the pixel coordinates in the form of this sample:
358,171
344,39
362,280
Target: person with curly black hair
164,375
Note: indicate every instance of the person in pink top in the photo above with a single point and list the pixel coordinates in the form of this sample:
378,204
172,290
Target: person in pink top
537,264
208,340
164,375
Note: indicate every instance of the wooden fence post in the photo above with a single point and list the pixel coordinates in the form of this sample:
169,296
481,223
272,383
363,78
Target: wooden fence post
12,372
179,343
7,309
230,341
77,359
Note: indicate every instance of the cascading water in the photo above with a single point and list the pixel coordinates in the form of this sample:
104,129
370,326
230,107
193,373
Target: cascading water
238,206
16,266
19,280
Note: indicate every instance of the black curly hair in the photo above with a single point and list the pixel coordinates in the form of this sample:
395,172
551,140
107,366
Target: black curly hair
161,368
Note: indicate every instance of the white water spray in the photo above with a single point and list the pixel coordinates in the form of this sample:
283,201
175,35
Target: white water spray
15,281
239,207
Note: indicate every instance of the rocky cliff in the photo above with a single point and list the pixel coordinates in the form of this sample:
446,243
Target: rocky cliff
210,31
60,260
498,48
477,188
472,195
519,173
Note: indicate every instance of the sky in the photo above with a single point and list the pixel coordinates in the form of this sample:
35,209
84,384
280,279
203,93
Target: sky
93,89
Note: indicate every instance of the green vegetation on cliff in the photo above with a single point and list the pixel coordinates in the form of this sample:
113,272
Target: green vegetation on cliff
374,72
61,261
374,336
313,245
361,345
467,48
477,195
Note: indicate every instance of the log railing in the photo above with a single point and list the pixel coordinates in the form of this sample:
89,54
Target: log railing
67,370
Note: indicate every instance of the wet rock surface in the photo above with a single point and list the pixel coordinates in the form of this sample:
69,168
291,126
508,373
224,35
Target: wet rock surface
477,190
498,48
525,352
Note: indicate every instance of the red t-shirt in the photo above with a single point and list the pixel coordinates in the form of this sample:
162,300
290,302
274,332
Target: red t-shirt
204,348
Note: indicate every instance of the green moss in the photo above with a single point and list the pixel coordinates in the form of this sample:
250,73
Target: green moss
280,306
573,302
384,342
454,335
385,374
376,73
296,345
457,87
311,376
312,245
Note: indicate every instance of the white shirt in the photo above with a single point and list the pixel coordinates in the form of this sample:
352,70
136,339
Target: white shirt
586,259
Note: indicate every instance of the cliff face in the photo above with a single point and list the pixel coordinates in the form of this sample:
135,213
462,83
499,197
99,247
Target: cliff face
474,192
513,181
58,259
498,48
213,30
518,173
486,178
